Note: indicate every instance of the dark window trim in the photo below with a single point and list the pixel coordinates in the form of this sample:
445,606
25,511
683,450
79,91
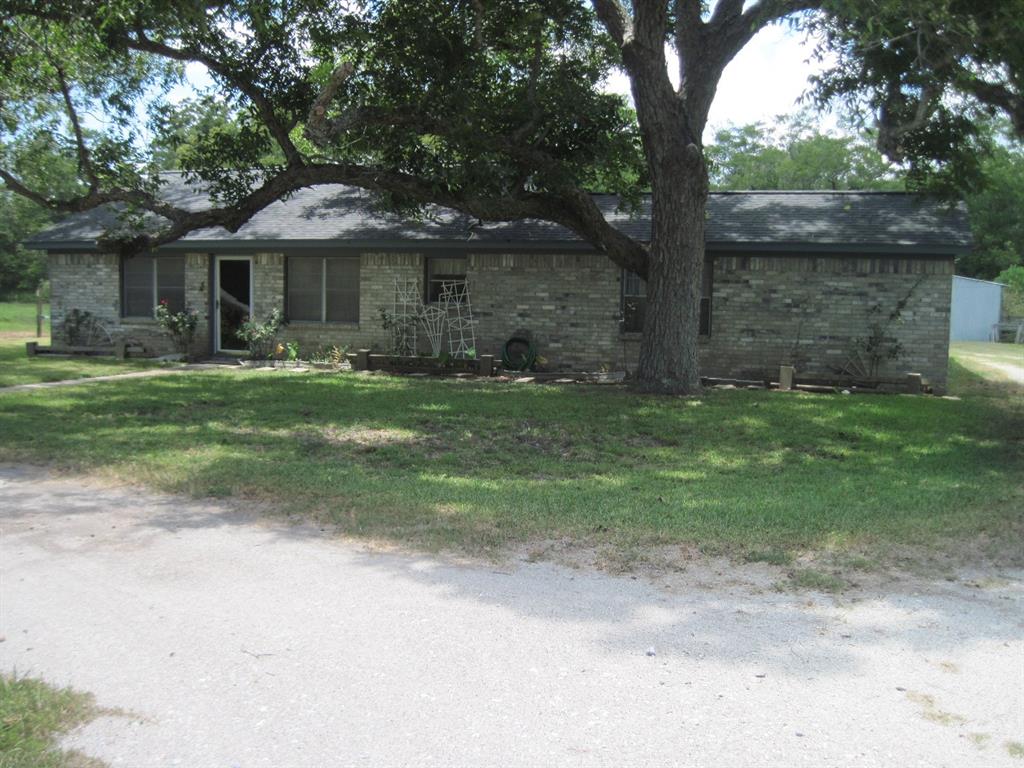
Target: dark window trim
426,272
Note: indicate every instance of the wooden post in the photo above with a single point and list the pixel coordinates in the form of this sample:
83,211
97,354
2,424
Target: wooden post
31,348
485,365
915,384
786,374
39,311
362,360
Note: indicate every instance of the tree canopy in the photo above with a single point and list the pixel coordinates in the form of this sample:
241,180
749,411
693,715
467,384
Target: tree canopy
793,153
494,107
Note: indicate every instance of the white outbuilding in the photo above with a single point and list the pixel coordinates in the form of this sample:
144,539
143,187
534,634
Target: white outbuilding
977,307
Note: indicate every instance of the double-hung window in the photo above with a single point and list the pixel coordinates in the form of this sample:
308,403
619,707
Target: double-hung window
148,280
323,289
634,301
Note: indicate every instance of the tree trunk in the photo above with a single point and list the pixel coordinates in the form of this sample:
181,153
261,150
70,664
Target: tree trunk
668,350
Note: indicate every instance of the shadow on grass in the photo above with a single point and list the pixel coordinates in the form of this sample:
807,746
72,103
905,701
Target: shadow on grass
471,464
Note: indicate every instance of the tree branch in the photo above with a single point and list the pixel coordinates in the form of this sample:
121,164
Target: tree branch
280,132
85,166
571,208
318,130
997,95
94,198
892,129
616,20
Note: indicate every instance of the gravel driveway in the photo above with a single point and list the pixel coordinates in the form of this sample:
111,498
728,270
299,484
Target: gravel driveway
226,641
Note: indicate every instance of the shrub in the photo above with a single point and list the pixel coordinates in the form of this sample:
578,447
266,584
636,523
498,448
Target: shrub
1013,296
259,337
180,326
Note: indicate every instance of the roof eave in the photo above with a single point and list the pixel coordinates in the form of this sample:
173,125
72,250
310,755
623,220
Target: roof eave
533,246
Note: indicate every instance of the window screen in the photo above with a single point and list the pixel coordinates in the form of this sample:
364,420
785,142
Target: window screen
138,287
170,282
305,288
323,289
148,280
341,293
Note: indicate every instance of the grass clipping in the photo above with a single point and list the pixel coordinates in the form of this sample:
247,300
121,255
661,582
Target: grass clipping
33,715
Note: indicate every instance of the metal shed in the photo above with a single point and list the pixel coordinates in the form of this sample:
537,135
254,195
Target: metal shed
977,306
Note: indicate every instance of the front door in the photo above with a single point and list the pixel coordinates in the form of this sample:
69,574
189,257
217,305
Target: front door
232,301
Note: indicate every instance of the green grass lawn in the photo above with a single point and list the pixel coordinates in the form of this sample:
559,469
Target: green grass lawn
32,716
20,318
17,368
998,362
479,465
18,325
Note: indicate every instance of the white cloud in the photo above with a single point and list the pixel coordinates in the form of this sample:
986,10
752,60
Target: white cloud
765,79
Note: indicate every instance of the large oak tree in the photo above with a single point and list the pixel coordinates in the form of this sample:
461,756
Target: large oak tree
490,107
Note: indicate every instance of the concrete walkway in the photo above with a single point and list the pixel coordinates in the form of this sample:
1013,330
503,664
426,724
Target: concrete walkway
117,377
227,641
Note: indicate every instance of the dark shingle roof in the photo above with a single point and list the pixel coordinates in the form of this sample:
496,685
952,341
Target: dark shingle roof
335,215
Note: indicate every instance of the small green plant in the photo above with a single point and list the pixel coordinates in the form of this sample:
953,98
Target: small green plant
180,326
770,556
259,337
291,351
809,578
877,347
330,355
870,352
400,333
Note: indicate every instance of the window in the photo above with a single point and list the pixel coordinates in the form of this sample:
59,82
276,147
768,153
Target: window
148,280
634,301
323,289
440,271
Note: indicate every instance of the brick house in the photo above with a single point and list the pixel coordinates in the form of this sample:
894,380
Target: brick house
791,278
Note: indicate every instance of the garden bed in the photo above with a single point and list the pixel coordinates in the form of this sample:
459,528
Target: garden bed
364,360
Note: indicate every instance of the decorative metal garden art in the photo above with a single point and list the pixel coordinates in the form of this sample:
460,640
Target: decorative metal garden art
459,311
408,308
435,321
451,316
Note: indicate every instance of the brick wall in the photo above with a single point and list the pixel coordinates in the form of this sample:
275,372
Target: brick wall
570,303
91,282
809,311
767,310
268,284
